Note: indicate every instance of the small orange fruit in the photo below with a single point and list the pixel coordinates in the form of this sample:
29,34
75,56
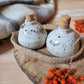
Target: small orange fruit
82,77
59,73
79,83
74,80
63,82
55,82
46,80
70,77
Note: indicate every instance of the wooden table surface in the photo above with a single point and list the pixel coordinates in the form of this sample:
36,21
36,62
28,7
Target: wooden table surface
10,73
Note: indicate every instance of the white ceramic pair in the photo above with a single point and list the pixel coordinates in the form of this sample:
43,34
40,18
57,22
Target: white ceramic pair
59,41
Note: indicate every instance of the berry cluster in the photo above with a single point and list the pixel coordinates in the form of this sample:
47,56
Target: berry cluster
79,25
63,76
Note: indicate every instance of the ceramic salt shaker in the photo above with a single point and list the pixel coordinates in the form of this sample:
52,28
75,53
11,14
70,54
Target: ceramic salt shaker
60,41
32,34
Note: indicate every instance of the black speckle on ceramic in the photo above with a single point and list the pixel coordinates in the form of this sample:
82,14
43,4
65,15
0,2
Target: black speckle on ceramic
50,41
59,37
34,31
25,30
31,30
72,40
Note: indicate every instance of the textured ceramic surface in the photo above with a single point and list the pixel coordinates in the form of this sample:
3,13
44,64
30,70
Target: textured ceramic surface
60,42
32,35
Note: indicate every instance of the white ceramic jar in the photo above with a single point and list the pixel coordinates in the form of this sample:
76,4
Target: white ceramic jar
60,41
32,34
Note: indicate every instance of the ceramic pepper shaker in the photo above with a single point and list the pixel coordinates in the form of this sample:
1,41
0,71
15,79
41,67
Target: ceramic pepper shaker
60,41
32,34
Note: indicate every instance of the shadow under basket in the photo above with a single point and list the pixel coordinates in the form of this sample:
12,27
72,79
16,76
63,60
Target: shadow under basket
36,63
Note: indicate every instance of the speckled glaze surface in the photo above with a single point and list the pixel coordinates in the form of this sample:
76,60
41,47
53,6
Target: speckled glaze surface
32,35
60,42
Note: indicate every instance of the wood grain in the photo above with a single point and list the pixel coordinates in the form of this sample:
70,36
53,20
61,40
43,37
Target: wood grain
10,73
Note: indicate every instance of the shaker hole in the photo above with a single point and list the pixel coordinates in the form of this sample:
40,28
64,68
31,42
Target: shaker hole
58,36
50,41
25,30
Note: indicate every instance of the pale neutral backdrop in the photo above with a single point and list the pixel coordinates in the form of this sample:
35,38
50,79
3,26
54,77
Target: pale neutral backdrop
10,73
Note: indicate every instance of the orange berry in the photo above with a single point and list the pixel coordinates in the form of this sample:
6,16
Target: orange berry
79,83
74,80
46,80
63,82
70,72
55,77
49,72
76,77
59,73
52,69
70,77
82,77
52,74
63,70
62,76
55,82
50,77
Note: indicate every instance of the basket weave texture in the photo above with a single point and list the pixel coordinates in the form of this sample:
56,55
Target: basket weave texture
36,63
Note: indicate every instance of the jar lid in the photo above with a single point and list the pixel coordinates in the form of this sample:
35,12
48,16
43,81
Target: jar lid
30,16
65,21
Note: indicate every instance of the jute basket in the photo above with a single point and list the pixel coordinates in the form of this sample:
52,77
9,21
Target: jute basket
35,63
